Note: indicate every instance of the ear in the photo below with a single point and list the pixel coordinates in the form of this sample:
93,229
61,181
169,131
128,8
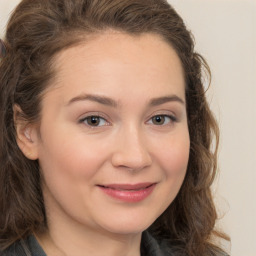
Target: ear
26,135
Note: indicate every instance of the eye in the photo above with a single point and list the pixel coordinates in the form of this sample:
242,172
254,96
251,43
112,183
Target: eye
94,121
162,119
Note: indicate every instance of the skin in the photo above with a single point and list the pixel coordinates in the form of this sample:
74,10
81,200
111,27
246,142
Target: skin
126,147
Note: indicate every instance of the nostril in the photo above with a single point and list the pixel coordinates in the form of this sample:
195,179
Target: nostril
131,152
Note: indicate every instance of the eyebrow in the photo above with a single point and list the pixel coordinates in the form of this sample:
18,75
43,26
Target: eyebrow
165,99
100,99
112,103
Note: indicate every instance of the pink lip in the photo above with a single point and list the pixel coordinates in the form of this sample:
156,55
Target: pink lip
128,192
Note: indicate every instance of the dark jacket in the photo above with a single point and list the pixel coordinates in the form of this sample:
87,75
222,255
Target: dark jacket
149,247
30,247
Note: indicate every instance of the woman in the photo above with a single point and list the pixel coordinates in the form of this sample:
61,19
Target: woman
105,132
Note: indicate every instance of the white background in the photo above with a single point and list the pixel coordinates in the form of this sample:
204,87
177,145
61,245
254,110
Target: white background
225,32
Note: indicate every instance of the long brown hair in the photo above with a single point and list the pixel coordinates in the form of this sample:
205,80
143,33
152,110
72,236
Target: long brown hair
36,32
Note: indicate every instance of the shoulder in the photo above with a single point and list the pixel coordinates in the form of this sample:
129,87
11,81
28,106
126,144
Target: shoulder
26,247
216,252
16,249
151,246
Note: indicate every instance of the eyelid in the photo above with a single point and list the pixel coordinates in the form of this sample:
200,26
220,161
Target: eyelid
167,113
96,114
171,117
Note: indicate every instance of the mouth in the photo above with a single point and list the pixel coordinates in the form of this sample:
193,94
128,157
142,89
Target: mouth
128,192
128,187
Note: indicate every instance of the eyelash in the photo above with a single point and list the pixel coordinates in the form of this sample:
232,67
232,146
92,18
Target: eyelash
172,118
84,120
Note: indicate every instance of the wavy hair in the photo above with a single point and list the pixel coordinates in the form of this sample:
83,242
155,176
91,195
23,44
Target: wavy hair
37,31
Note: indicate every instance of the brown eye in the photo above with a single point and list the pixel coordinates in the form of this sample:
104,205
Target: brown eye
162,119
158,120
94,121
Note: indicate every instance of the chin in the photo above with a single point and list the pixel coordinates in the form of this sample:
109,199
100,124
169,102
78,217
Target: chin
128,226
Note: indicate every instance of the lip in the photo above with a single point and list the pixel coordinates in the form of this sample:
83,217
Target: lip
128,192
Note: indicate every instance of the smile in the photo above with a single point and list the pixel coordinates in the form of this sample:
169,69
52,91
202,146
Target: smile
128,192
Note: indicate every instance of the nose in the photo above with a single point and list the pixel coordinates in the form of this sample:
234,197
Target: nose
131,151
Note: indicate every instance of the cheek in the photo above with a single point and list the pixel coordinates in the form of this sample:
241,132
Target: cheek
69,168
72,156
175,154
172,155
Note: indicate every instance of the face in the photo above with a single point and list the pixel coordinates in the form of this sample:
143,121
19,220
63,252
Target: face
114,143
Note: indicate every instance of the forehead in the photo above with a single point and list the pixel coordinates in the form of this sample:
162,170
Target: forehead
119,61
